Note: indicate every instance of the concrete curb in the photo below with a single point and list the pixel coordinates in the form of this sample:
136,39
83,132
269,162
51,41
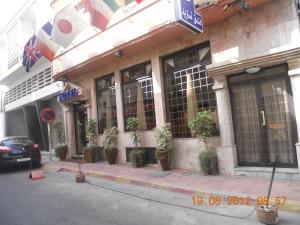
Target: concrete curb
290,205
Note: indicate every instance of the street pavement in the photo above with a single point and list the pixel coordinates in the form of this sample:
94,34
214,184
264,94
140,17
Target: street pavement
58,200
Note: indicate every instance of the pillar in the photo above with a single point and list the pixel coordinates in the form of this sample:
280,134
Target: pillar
294,73
158,91
119,101
227,152
69,129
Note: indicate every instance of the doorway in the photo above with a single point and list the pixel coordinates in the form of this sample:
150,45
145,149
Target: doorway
80,117
263,118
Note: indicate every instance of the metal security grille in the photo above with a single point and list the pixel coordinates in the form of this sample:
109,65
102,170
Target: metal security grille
188,89
106,102
29,86
12,45
138,79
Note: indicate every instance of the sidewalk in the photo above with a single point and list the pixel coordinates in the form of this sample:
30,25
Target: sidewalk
189,182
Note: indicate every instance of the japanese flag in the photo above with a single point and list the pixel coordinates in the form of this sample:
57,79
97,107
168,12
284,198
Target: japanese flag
68,23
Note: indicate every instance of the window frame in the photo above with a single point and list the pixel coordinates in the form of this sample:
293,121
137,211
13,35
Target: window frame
144,64
173,55
102,90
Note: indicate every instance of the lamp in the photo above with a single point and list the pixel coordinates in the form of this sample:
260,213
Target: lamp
65,79
241,4
119,53
252,70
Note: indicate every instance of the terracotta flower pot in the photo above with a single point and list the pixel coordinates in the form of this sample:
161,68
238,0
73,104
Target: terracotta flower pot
267,215
111,156
61,151
164,161
63,155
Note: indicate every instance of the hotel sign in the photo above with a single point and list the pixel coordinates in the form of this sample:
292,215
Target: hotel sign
185,14
68,94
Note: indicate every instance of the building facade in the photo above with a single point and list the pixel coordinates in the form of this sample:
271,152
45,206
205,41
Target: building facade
26,93
244,68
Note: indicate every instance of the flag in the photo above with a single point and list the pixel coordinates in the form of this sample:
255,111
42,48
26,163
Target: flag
31,54
46,47
68,23
101,11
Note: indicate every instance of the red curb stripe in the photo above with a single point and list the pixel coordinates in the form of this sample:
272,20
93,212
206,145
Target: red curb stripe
139,183
182,191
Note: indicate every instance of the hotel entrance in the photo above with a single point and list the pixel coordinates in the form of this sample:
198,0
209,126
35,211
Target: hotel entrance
80,118
263,117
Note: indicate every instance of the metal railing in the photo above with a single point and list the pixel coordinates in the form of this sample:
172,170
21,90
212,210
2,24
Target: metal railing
29,86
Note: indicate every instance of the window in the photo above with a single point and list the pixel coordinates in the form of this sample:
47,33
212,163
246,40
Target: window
188,89
106,102
12,46
138,95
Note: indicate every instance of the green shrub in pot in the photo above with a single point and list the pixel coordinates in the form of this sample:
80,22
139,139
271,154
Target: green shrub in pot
202,127
91,150
110,137
61,150
137,155
163,138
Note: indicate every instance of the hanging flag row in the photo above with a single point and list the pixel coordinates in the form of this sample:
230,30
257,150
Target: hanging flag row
68,23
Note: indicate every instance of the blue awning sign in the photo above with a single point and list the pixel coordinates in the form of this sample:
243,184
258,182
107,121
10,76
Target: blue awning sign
185,14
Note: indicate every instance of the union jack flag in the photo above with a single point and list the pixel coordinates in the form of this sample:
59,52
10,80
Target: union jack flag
31,54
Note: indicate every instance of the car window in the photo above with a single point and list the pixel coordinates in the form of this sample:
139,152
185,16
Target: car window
16,141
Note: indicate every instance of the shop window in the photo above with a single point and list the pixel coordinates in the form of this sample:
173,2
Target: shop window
188,89
106,102
138,98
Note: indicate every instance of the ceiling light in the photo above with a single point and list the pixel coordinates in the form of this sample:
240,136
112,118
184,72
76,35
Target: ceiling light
253,69
119,53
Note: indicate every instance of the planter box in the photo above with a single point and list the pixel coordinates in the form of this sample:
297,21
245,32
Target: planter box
92,154
149,157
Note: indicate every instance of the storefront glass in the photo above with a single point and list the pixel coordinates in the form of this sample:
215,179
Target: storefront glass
138,100
106,102
188,89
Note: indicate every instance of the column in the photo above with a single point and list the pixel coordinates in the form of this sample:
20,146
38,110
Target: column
119,101
93,98
227,153
294,73
158,91
69,129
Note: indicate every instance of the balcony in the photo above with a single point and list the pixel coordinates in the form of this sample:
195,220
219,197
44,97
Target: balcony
37,87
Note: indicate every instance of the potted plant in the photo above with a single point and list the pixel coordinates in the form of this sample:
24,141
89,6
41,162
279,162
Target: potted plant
91,152
137,155
202,127
110,138
163,138
61,150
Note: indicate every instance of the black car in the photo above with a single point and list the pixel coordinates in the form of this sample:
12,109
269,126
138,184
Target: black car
16,150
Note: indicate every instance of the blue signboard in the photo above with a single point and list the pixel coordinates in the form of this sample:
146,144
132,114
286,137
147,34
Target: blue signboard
185,14
67,95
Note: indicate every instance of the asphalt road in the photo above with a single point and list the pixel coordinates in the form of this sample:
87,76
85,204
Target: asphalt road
58,200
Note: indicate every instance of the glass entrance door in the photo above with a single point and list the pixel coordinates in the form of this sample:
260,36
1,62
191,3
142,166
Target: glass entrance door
263,118
80,117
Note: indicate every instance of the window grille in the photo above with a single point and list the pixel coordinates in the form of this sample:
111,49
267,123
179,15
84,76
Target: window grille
188,89
136,79
29,86
106,102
